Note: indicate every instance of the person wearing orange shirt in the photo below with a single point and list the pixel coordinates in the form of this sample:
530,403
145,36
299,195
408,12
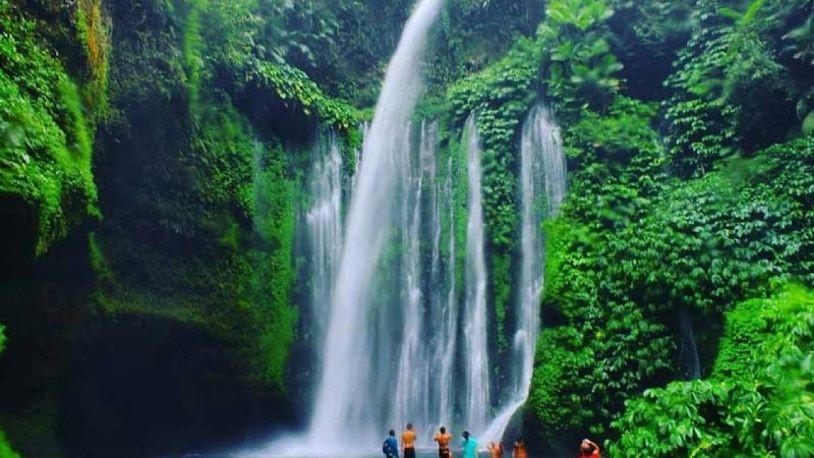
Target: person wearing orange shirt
520,449
408,438
443,438
588,449
495,449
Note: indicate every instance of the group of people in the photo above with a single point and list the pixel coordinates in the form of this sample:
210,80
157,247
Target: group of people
390,448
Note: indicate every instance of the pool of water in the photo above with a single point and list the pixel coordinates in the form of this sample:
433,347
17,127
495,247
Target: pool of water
419,454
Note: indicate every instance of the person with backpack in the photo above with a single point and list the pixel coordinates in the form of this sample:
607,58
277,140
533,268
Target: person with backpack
390,447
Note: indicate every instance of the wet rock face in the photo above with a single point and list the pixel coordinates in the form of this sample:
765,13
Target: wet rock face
143,386
17,234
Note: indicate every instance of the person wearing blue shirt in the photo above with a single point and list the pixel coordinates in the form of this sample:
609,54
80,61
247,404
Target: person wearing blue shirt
470,446
390,448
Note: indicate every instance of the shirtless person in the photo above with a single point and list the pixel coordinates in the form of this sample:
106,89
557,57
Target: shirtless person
520,449
588,449
495,449
443,438
408,438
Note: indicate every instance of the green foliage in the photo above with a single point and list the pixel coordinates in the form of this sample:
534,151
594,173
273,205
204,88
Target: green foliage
618,161
758,401
607,343
5,448
632,247
293,86
274,270
656,24
579,69
723,238
729,90
500,96
473,34
46,143
801,41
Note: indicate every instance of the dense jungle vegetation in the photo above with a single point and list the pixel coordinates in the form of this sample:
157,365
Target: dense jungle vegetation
151,171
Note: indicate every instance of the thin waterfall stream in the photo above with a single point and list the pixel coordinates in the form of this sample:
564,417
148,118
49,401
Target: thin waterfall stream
476,354
542,190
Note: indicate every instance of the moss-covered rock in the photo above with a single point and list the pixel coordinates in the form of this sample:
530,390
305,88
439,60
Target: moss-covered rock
46,140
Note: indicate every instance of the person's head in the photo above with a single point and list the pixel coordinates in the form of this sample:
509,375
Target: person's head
585,446
519,440
410,426
443,430
392,432
466,435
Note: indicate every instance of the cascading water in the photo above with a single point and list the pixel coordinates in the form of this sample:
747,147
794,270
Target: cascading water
690,362
324,223
416,398
542,190
448,339
350,395
476,355
405,340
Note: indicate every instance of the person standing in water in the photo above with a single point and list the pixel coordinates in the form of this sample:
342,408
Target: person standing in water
495,449
390,447
520,449
470,446
443,438
588,449
408,438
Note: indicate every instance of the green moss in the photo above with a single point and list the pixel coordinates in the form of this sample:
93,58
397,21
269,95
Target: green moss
5,448
46,143
93,32
192,48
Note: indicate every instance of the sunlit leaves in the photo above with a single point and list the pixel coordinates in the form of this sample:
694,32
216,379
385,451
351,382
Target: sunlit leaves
580,68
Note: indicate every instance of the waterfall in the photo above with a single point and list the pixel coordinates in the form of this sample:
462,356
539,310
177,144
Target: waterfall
542,190
350,396
324,223
447,341
476,355
405,339
691,364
